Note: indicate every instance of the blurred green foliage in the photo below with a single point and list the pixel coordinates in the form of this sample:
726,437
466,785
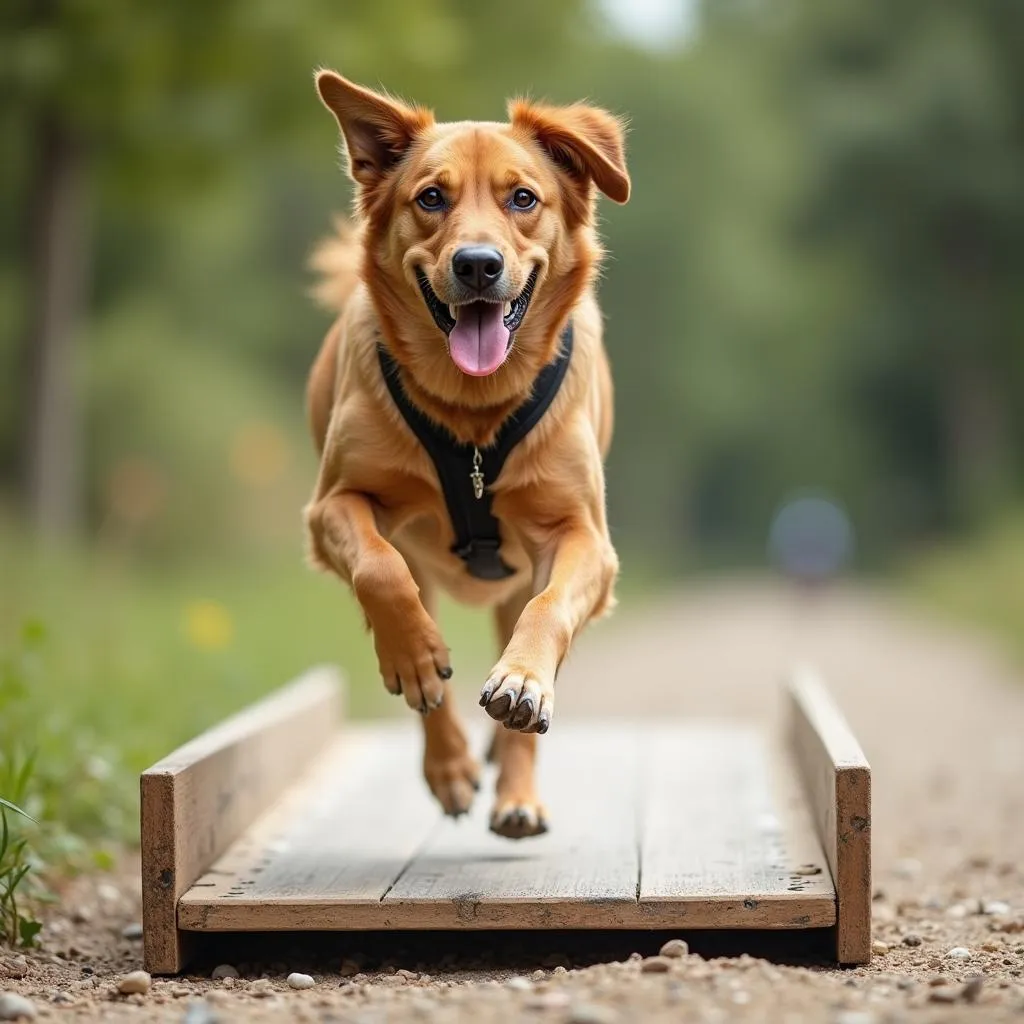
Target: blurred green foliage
814,284
978,582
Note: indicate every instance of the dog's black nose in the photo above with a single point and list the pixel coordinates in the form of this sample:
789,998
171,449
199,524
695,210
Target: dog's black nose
478,266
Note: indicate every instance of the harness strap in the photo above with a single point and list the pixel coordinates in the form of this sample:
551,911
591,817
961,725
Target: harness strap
464,470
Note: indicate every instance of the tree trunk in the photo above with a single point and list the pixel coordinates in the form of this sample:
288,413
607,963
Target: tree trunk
60,254
977,438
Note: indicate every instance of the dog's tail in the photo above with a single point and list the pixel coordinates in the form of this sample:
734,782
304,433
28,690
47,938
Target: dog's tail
336,262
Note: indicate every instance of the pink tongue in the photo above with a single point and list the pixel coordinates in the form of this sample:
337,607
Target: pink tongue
478,342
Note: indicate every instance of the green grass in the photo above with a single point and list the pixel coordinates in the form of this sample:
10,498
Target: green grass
108,664
980,582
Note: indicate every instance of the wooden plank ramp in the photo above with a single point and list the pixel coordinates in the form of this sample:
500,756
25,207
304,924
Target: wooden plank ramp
651,828
681,825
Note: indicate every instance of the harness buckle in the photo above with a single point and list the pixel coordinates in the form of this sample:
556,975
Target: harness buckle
482,558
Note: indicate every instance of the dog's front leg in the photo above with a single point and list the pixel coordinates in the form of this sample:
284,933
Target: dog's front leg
574,581
412,655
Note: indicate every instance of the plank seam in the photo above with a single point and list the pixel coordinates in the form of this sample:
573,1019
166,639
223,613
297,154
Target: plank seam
424,843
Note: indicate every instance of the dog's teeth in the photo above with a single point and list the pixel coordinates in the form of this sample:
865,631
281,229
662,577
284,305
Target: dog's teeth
452,313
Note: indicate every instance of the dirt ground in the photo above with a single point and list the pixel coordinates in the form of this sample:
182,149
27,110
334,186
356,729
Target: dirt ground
941,717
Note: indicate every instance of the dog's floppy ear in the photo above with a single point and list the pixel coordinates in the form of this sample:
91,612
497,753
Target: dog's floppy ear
377,129
585,142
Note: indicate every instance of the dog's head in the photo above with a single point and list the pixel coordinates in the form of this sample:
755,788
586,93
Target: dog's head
478,234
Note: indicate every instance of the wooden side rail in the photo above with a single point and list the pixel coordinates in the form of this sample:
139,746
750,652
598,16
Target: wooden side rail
837,782
198,800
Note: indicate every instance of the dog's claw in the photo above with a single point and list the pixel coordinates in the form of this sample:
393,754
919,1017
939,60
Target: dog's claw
523,713
499,708
519,699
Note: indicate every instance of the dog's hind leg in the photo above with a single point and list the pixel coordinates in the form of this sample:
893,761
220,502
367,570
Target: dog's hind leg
518,812
452,773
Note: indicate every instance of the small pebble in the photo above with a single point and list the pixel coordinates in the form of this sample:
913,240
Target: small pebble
222,971
959,953
675,948
943,995
81,915
879,947
135,983
520,984
132,931
13,967
200,1012
15,1007
588,1013
655,965
296,980
907,867
108,893
547,1001
538,975
348,968
911,939
958,911
883,913
261,988
996,908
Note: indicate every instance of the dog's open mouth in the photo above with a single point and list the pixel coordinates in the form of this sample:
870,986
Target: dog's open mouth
479,333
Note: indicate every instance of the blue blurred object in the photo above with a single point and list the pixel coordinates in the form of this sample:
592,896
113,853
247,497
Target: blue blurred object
811,538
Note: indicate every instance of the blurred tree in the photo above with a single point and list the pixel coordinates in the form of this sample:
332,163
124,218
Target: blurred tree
915,112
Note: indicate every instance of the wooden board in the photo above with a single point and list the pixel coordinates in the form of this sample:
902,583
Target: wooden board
280,821
837,783
727,840
360,845
199,799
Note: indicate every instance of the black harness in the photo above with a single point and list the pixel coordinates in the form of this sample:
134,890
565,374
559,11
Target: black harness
464,470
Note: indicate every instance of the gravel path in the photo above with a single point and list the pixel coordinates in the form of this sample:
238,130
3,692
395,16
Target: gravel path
941,717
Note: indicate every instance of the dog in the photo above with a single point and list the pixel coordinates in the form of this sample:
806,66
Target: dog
461,405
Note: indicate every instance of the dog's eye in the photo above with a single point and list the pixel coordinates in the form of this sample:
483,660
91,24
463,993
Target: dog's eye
431,199
523,199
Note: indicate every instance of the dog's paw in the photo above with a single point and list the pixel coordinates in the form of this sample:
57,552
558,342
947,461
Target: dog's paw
519,819
518,699
413,658
453,779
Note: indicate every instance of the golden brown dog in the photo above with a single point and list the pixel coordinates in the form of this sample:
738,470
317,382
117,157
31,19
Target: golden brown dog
474,245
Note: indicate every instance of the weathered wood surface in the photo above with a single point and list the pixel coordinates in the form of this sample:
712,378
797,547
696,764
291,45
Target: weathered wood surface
584,870
327,854
837,782
635,843
724,826
200,799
